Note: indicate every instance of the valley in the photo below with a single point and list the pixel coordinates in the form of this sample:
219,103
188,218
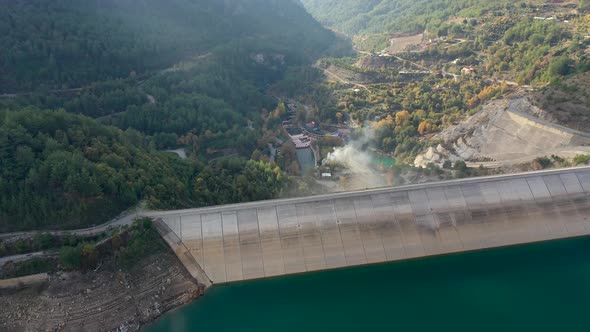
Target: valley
425,98
217,101
114,109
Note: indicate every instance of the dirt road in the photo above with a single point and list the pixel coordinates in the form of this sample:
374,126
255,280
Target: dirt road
342,80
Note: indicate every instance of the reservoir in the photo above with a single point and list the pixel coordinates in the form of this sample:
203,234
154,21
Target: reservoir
306,160
536,287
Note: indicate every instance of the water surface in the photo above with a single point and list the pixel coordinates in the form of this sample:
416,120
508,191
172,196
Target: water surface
538,287
306,160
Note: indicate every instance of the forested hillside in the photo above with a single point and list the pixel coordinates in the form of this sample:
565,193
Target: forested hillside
101,86
373,22
68,43
424,65
391,16
60,169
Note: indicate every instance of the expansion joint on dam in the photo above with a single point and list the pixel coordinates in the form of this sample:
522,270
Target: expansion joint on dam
278,237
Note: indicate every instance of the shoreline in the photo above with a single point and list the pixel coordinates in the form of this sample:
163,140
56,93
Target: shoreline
105,300
466,275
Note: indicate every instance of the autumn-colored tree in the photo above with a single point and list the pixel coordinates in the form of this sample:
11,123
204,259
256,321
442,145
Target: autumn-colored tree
256,155
331,141
425,127
280,111
401,117
472,102
504,87
188,139
419,115
387,122
191,140
288,150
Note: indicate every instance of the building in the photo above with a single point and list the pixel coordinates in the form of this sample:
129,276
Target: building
468,70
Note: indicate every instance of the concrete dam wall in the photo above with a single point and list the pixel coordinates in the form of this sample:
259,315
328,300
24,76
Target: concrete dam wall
271,238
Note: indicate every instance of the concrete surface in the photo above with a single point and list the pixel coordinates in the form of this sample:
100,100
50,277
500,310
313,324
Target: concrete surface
277,237
182,253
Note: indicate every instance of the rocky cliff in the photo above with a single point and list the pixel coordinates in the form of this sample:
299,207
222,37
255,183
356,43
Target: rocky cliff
506,131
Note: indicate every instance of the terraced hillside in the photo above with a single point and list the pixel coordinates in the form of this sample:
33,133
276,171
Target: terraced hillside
505,132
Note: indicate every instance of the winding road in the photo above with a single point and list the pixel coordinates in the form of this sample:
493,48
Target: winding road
125,218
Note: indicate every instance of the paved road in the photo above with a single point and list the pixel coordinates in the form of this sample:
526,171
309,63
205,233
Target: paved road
125,218
349,194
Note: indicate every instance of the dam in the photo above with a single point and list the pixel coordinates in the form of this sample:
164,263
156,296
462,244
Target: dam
286,236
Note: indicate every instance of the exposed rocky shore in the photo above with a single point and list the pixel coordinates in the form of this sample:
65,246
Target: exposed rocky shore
108,299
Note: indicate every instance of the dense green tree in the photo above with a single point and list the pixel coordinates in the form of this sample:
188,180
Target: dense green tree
70,257
381,18
68,170
70,44
113,61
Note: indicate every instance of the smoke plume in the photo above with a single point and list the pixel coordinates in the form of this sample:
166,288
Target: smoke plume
358,162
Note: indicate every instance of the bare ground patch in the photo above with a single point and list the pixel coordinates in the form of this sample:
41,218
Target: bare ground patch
400,44
102,300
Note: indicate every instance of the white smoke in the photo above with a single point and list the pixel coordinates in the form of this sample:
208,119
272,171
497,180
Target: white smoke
358,162
351,157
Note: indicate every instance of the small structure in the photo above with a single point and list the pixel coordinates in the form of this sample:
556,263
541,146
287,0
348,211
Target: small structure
301,141
468,70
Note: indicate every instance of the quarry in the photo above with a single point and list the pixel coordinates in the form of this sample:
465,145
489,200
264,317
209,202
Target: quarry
505,132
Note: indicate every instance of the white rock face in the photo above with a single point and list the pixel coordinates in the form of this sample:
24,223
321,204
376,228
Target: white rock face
437,156
505,131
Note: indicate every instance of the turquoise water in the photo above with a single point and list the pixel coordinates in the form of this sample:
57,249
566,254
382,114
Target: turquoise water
383,161
538,287
306,160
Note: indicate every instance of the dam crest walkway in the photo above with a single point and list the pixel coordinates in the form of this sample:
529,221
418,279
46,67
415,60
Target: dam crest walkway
278,237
